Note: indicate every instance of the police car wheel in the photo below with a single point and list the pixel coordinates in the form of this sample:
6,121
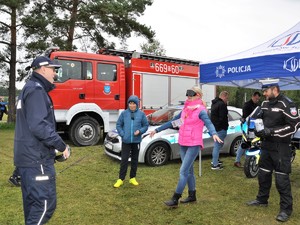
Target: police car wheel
158,154
235,145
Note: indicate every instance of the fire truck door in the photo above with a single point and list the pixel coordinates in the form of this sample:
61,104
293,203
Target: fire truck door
107,86
70,86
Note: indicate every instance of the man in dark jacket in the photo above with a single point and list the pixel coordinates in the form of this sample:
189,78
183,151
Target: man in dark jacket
35,143
219,117
281,120
248,108
250,105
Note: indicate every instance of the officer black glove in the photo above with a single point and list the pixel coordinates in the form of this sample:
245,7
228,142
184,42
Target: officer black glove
266,132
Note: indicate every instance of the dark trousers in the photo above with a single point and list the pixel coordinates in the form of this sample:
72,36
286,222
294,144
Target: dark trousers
39,193
131,149
278,158
1,115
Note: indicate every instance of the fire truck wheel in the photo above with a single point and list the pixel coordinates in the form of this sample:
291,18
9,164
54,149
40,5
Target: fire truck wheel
85,131
158,154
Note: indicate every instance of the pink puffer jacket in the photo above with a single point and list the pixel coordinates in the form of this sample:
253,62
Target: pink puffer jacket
190,132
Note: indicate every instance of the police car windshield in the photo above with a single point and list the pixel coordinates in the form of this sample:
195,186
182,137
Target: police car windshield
162,115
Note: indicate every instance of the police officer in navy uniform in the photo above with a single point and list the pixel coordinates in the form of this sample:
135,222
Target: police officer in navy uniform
35,143
281,121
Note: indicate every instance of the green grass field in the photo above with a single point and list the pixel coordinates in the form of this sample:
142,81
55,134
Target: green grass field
86,195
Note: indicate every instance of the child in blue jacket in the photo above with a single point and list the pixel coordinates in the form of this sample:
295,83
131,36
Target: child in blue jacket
131,124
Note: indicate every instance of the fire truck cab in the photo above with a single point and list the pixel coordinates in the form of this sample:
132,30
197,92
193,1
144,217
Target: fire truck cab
92,88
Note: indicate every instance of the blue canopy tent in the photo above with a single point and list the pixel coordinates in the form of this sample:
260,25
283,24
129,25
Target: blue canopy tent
278,58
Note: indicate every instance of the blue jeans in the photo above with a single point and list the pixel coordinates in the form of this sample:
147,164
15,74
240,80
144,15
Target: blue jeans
217,146
239,154
188,155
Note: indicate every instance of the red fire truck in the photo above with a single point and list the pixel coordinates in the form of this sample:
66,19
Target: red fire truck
92,88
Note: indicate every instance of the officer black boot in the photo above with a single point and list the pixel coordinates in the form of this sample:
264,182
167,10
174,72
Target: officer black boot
283,185
190,198
173,202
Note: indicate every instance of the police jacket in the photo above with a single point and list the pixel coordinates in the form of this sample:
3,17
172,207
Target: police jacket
219,114
35,135
281,116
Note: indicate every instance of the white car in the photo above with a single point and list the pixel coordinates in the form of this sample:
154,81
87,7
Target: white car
164,146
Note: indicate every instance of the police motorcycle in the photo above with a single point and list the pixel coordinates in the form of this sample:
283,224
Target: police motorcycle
251,143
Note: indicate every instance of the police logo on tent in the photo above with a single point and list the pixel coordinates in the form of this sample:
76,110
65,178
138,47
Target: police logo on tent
291,64
220,71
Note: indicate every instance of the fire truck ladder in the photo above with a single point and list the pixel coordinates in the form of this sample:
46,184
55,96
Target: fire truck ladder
133,54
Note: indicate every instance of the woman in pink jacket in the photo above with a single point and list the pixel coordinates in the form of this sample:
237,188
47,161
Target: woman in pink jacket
190,121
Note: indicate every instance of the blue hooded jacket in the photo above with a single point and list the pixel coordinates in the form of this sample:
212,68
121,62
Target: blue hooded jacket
131,121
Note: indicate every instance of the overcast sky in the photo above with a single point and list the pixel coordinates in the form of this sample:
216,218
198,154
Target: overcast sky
204,30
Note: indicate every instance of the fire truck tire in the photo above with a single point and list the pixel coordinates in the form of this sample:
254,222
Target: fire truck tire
85,131
158,154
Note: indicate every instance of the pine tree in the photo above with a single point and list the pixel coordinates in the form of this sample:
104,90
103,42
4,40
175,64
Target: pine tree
11,12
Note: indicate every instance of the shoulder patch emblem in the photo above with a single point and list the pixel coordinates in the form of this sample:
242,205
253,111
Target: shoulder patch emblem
293,111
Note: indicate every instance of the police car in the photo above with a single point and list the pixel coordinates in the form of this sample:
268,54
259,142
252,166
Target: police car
164,146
